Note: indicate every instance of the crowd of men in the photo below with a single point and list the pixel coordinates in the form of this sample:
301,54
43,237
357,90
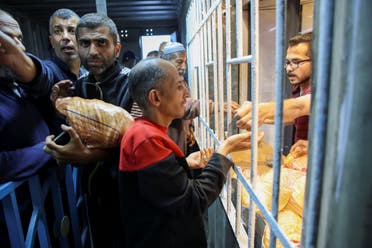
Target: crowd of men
144,192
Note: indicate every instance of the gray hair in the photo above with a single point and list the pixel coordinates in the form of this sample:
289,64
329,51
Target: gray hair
63,14
145,76
94,20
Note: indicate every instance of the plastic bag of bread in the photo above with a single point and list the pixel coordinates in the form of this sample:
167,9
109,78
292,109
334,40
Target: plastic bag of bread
288,178
265,156
243,159
294,162
291,225
296,202
264,189
98,124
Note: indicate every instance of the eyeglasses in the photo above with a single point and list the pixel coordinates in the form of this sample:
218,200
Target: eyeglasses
93,90
294,63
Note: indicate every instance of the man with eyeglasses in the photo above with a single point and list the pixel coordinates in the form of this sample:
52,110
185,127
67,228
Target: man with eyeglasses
98,47
296,111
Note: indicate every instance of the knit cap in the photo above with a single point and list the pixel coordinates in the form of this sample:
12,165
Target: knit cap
173,47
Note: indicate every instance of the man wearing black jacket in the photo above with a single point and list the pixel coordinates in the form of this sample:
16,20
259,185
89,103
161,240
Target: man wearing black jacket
98,49
162,205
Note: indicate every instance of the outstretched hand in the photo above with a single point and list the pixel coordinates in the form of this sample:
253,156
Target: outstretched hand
299,148
63,88
233,107
243,115
200,158
237,142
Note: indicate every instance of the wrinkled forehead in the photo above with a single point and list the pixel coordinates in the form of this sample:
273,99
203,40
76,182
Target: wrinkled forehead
180,55
58,21
8,22
99,32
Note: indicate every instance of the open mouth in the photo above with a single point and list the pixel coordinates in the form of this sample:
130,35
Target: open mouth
68,49
292,77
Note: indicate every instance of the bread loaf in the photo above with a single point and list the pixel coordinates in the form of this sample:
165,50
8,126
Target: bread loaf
98,124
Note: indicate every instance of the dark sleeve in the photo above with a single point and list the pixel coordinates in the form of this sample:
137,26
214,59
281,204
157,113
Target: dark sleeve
166,185
22,163
42,84
192,109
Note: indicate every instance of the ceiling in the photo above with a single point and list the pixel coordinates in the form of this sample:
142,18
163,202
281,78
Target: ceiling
126,14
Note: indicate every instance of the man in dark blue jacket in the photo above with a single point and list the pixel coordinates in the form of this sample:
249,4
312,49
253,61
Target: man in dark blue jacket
63,65
22,127
39,76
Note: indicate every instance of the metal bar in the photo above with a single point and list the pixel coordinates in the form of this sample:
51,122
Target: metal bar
347,187
58,206
228,80
101,7
220,74
238,213
244,59
278,118
42,226
204,75
210,11
254,91
12,218
211,133
215,75
239,27
71,191
320,104
7,188
31,232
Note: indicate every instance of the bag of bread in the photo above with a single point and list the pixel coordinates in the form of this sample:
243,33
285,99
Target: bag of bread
98,124
291,225
296,163
296,202
264,189
265,156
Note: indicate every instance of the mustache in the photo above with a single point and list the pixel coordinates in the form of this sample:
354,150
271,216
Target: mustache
93,58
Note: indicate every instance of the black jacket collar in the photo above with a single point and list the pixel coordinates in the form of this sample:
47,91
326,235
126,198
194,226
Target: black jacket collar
108,75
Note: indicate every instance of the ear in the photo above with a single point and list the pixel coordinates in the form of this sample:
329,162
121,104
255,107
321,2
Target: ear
117,49
154,98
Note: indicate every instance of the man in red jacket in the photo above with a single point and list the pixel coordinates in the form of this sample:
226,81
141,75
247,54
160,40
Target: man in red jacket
161,204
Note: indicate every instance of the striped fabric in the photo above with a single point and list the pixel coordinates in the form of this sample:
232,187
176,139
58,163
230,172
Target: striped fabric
135,111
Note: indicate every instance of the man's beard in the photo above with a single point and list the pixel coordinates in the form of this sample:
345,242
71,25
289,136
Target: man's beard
6,74
301,82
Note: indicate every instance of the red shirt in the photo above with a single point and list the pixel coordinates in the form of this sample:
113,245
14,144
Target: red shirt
145,143
301,123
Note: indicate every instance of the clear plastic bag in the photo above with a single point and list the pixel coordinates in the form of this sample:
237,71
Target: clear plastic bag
98,124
